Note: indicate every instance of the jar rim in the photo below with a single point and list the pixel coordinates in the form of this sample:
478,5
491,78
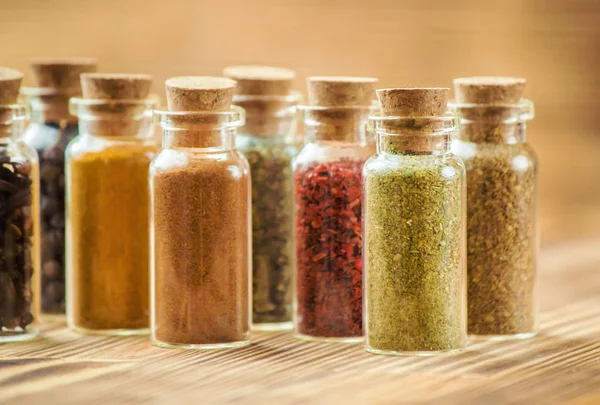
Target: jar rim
294,97
524,108
232,118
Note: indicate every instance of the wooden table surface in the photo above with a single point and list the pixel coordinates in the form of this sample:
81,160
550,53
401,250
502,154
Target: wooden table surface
561,365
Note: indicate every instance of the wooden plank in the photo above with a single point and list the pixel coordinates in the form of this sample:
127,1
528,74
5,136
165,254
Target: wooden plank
561,364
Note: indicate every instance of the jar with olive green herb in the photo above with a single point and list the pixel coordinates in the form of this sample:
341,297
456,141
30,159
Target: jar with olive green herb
502,229
414,228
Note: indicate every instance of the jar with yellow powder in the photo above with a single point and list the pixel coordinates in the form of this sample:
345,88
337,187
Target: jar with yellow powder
108,207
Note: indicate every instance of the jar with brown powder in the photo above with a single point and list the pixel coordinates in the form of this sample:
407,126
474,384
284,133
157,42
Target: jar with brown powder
107,214
51,129
201,228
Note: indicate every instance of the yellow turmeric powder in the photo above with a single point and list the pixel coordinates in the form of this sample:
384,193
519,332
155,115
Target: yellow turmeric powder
108,232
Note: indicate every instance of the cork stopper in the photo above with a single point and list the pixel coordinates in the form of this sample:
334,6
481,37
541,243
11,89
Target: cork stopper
115,86
120,115
10,82
413,102
422,107
341,91
489,90
261,80
199,93
61,73
488,107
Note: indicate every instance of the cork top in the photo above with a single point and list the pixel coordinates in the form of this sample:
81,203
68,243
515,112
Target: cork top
115,86
489,90
10,82
341,91
60,73
413,102
261,80
199,93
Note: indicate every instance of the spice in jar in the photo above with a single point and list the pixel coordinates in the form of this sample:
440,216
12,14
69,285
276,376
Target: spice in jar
502,243
414,228
108,210
267,139
50,130
201,229
328,192
19,218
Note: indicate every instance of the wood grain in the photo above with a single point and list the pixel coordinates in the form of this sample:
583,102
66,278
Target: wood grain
560,365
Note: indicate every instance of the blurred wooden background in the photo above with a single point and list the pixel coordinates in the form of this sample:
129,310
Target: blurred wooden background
555,44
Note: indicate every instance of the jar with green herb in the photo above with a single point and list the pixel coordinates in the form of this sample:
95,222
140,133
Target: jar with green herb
502,189
414,228
267,139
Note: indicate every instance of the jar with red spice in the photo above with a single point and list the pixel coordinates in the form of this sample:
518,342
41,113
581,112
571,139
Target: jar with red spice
328,194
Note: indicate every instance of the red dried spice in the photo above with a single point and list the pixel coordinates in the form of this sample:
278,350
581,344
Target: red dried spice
329,249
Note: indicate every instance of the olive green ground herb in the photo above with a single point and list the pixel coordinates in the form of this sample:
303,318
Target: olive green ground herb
501,243
502,231
415,283
272,229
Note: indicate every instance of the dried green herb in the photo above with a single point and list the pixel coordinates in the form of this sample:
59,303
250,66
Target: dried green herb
502,237
272,227
413,244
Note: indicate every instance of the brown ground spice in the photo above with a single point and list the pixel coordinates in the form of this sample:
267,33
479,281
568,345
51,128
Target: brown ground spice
202,253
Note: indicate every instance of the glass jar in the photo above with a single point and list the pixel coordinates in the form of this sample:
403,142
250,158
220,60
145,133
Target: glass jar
108,278
50,130
268,141
414,231
328,192
201,233
502,226
20,222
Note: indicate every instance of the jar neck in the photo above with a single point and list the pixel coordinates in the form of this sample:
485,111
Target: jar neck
494,124
336,124
413,135
12,121
210,140
49,106
398,144
114,118
206,130
269,116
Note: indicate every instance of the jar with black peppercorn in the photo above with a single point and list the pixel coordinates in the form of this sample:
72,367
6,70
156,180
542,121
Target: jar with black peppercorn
19,218
267,139
328,191
50,130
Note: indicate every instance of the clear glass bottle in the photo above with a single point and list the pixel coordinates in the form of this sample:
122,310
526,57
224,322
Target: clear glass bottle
107,217
328,192
502,225
268,140
201,233
50,130
20,222
414,233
